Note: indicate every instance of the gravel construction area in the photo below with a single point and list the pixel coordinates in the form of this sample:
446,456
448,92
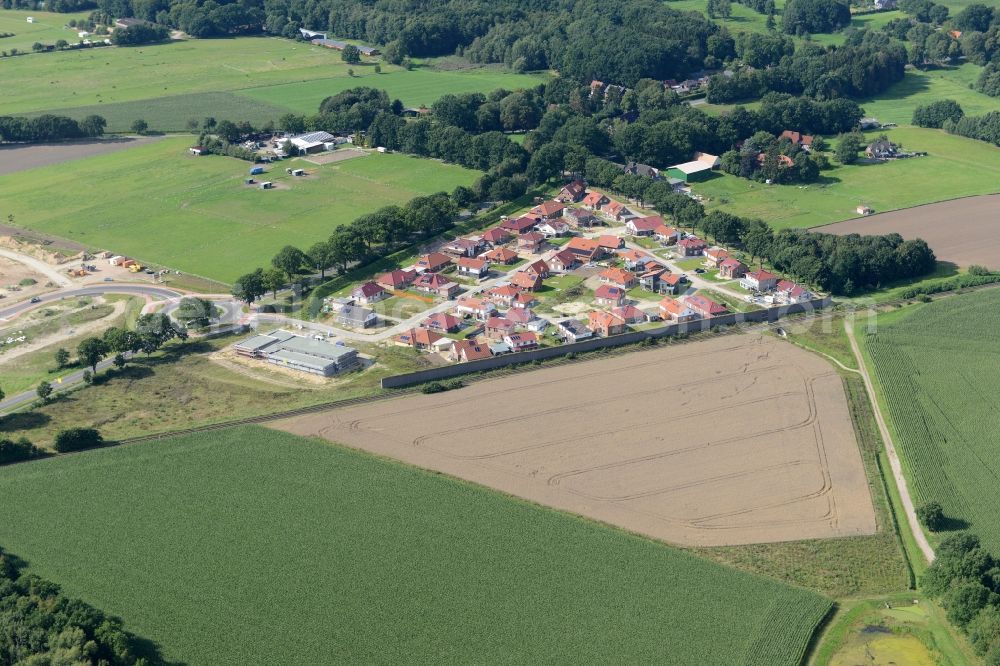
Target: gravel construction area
962,231
735,440
19,157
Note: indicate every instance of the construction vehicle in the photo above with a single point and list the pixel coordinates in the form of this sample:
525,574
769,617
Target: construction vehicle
135,268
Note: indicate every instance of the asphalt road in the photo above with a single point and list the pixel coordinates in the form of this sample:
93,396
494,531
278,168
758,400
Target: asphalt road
93,290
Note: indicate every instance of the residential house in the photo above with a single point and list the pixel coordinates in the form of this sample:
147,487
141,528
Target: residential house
553,228
563,261
732,268
572,193
616,212
803,141
526,281
356,317
672,283
497,236
572,330
789,292
609,295
520,316
477,308
586,249
473,267
432,283
630,314
396,280
704,306
652,280
784,161
882,149
499,347
421,339
644,226
637,169
521,300
369,292
503,295
464,247
619,277
539,268
442,321
676,311
433,262
636,260
501,255
605,323
759,280
715,256
498,327
521,225
579,218
691,247
521,341
469,350
594,200
610,242
549,210
666,235
530,242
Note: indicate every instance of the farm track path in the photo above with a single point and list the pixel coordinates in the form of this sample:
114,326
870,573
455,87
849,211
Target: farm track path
890,450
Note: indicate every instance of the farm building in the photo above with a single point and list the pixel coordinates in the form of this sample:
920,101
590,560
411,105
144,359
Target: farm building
311,34
339,46
313,142
317,357
691,172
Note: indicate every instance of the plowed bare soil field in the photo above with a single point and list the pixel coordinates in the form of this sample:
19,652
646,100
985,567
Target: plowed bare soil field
963,231
740,439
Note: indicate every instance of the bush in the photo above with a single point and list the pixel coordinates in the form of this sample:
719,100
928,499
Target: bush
18,450
440,387
976,269
77,439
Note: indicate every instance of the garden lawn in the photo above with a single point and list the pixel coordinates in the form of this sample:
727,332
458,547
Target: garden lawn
163,206
421,85
48,28
253,546
935,368
955,167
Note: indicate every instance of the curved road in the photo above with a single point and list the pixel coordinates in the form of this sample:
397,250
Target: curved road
93,290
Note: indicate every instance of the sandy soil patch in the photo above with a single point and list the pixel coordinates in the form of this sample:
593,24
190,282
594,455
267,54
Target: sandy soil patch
962,231
11,274
741,439
338,155
21,158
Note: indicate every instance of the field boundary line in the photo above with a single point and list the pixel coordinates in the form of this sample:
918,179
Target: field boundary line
890,450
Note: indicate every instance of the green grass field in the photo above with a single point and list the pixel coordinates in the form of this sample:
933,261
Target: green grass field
252,546
935,367
956,167
898,102
163,206
48,28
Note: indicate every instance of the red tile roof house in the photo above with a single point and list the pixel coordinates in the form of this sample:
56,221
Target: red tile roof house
594,200
498,327
563,261
442,321
397,279
652,279
732,268
692,247
715,256
630,314
503,295
521,341
619,277
520,316
636,260
539,268
610,242
553,228
497,236
605,324
522,299
476,308
666,234
521,225
790,292
676,311
420,339
572,192
433,262
579,218
801,140
369,292
759,280
432,283
586,249
616,211
672,283
704,306
609,295
477,268
464,247
501,255
526,281
530,242
469,350
549,210
644,226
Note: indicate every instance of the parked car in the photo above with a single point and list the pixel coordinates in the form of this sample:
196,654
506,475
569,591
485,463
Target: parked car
35,299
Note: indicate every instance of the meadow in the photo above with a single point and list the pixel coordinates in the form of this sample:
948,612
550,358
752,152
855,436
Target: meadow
48,28
955,167
253,546
161,205
934,367
918,87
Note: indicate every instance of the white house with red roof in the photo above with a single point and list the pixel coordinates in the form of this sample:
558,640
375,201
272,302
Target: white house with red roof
464,247
432,283
618,277
644,226
503,295
790,292
501,255
477,308
630,314
759,280
594,200
421,339
521,341
369,292
676,311
442,321
715,256
609,295
473,267
691,247
667,235
397,279
526,281
553,228
610,242
705,306
615,211
588,250
539,268
563,261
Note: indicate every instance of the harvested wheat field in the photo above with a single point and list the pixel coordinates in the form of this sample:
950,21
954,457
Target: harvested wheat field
963,231
740,439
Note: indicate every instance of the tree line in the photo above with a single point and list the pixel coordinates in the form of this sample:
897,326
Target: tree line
48,127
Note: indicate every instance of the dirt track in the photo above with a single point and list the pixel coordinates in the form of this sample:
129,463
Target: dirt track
963,231
741,439
16,157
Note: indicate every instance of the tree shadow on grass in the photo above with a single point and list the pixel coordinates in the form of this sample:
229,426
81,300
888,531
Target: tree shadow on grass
23,421
950,524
